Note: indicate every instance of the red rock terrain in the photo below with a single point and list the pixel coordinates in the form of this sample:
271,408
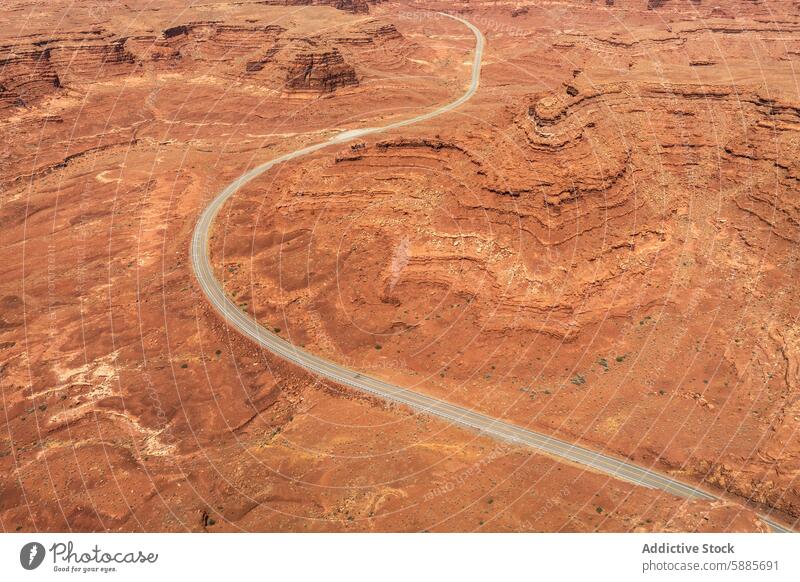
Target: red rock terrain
466,249
601,245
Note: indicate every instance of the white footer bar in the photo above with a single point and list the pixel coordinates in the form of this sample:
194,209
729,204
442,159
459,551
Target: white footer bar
399,557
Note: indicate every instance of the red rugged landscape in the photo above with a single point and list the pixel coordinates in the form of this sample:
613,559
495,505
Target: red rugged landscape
600,245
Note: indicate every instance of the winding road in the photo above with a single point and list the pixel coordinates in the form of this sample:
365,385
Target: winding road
505,431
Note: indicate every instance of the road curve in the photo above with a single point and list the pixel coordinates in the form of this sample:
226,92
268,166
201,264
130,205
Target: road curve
505,431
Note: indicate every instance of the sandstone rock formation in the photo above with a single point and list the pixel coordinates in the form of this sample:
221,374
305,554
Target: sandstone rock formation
608,224
601,245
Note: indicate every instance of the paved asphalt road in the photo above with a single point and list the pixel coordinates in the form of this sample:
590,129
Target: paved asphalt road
502,430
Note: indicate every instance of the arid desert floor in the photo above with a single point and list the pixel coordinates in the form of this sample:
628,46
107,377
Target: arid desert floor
601,245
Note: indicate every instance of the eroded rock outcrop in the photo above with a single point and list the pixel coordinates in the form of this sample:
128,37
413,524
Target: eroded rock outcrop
39,66
610,253
319,71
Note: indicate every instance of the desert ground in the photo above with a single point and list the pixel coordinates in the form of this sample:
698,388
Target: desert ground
600,245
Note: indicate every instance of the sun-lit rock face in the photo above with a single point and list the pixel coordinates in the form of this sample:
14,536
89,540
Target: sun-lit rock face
599,245
48,64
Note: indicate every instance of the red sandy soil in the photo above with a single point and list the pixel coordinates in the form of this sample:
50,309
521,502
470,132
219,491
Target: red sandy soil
129,406
601,245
